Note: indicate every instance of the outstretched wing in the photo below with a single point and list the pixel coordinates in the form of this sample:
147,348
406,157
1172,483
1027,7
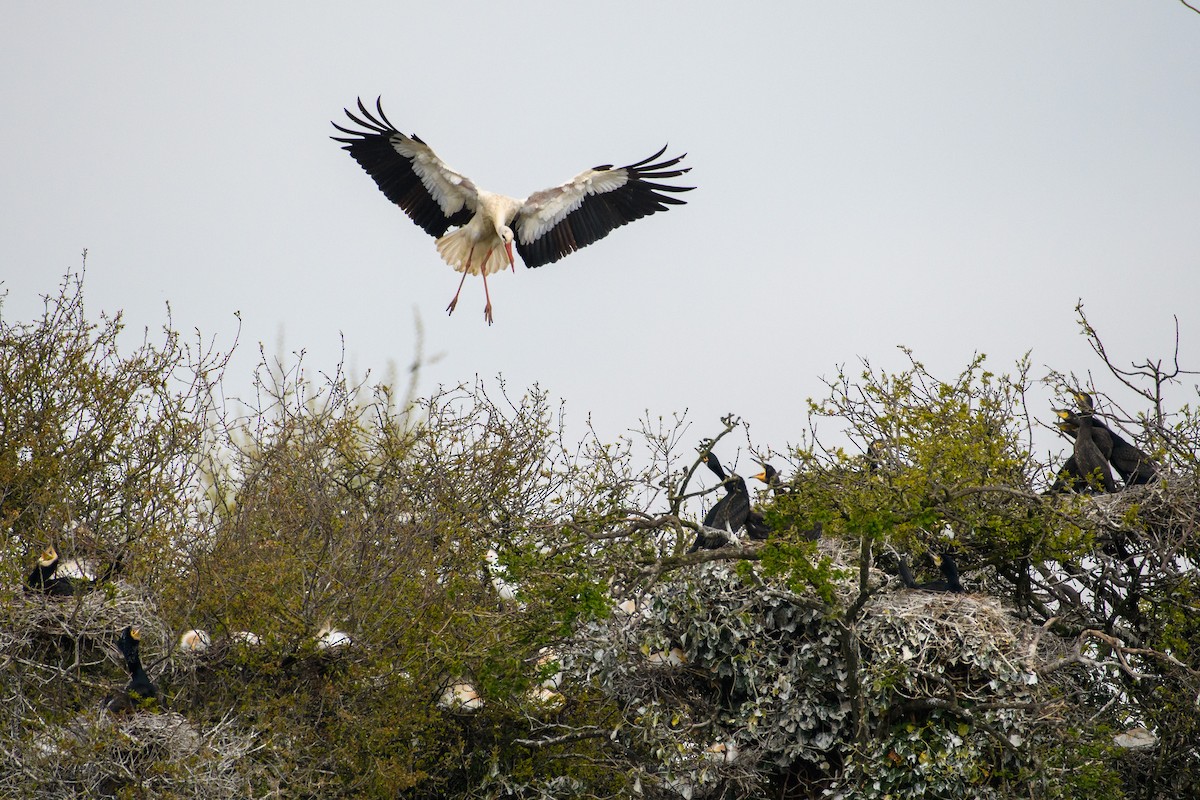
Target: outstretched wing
408,172
556,222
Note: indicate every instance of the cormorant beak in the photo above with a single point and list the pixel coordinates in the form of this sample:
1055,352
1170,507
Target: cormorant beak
762,476
49,556
135,634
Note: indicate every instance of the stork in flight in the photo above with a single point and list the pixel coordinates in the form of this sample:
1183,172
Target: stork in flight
545,226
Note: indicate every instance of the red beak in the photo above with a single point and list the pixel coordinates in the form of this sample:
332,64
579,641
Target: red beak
511,262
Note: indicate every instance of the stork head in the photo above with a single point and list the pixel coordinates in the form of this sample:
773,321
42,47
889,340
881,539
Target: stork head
506,235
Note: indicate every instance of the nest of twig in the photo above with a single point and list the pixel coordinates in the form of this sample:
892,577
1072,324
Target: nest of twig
144,753
100,614
1149,506
942,627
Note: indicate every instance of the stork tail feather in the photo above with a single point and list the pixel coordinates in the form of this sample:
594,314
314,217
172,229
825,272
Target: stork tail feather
455,249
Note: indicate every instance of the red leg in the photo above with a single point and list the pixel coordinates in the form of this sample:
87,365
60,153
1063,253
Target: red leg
487,310
466,271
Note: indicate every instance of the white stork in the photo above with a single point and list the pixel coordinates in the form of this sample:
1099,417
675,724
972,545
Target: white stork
546,226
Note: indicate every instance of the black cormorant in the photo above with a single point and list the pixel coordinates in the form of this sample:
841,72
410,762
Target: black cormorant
948,583
770,476
43,573
756,524
1089,459
730,512
43,578
1068,478
140,688
1131,463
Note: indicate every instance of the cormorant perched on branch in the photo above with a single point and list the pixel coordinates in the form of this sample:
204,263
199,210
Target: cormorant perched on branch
756,523
730,512
756,526
948,583
770,476
1131,463
140,688
1069,478
1090,462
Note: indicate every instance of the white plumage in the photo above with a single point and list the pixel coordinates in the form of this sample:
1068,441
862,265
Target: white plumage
330,638
194,641
460,696
74,568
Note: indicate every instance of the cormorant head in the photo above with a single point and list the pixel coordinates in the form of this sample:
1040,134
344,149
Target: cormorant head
130,637
1068,421
949,568
714,464
49,556
768,474
1084,401
129,644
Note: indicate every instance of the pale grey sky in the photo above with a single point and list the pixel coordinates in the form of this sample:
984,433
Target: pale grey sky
945,175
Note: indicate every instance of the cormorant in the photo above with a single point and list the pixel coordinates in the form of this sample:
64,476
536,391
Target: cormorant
948,583
43,573
140,688
756,526
770,476
1089,459
1131,463
1068,478
43,578
74,568
730,512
